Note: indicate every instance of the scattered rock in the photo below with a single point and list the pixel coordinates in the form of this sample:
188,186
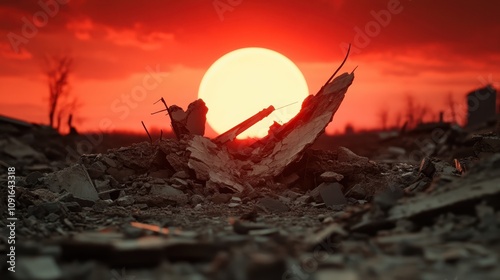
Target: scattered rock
331,176
272,205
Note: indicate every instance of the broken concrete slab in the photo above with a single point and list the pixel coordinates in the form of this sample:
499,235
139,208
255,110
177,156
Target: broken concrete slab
331,194
275,152
482,182
75,180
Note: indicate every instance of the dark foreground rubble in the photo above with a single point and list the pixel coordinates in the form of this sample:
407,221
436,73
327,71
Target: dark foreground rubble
163,224
192,208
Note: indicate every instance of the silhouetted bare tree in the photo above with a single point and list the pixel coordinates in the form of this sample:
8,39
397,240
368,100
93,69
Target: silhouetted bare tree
383,116
58,71
410,110
397,120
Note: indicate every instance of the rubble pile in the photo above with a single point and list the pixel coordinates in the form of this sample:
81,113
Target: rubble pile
32,147
196,208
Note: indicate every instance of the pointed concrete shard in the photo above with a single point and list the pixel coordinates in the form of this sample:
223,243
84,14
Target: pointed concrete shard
272,154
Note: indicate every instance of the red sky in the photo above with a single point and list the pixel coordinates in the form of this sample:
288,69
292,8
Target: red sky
427,49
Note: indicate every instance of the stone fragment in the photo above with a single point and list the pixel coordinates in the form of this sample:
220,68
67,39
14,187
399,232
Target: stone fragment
75,180
273,205
165,190
427,167
33,178
330,176
125,200
329,193
120,174
357,192
221,198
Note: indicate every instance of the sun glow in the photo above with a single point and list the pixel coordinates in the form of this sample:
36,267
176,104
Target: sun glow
245,81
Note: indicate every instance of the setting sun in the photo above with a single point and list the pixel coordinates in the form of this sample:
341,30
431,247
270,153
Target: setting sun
245,81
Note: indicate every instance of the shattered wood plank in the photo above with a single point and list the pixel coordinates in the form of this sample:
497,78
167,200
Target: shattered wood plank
231,134
282,147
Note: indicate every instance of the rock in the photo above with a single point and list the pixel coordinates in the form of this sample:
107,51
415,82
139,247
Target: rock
102,185
45,195
122,174
291,194
273,205
165,190
332,195
44,209
331,176
66,197
101,205
346,155
110,162
387,199
177,162
113,194
197,199
163,173
96,170
75,180
244,227
181,175
427,167
235,199
221,198
198,207
33,178
304,199
289,180
52,217
357,192
180,182
73,206
329,193
125,200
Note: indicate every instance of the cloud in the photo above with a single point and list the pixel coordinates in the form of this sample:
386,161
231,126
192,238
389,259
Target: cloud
123,36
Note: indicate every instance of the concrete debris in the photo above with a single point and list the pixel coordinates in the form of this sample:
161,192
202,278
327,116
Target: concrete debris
330,176
192,121
272,205
75,180
331,194
273,153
